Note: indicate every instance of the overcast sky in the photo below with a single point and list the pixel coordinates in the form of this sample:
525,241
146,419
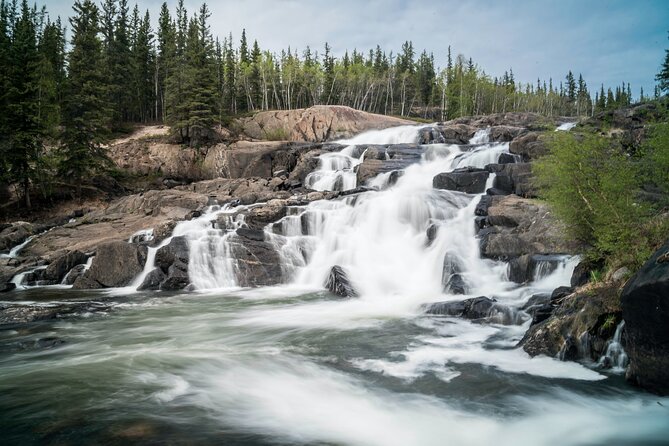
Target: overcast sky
608,41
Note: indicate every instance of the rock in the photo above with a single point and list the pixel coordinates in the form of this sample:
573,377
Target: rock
256,263
645,306
560,293
519,226
621,274
530,146
15,234
252,234
505,133
153,280
506,158
7,286
583,272
72,276
578,327
447,134
314,124
115,265
338,283
514,178
431,233
482,207
177,277
176,250
259,217
57,270
474,308
451,278
468,180
525,268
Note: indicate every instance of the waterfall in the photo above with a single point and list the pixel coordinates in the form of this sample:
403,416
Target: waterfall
379,237
615,356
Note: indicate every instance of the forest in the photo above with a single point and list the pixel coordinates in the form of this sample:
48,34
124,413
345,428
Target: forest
66,89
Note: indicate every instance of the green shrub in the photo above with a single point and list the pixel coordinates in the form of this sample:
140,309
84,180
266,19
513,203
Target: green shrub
276,134
592,185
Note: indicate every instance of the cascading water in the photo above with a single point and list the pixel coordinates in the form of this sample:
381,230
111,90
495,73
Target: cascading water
295,365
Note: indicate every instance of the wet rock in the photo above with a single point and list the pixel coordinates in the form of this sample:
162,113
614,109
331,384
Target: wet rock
560,293
57,269
431,233
256,263
338,283
7,286
468,180
115,265
473,308
645,306
153,280
252,234
172,259
506,158
451,278
514,178
22,314
448,134
482,206
261,216
523,269
176,250
177,277
72,276
584,321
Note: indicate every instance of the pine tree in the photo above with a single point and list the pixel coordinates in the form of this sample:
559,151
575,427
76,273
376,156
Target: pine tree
143,61
85,111
165,56
662,77
24,145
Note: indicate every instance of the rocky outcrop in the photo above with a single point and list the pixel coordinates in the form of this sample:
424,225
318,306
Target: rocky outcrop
447,134
525,268
256,262
529,121
576,325
645,305
314,124
171,272
469,180
338,283
115,265
517,226
513,178
530,146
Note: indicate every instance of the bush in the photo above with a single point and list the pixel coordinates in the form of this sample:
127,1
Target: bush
592,185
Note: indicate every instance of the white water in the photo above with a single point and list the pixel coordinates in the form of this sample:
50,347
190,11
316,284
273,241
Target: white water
565,127
14,252
615,356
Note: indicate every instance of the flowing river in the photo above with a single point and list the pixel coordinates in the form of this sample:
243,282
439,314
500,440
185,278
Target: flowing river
293,364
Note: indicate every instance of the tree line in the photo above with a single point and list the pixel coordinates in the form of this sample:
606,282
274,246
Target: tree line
61,98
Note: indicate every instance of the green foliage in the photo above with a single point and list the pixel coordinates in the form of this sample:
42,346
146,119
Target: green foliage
592,185
276,134
662,77
656,155
85,109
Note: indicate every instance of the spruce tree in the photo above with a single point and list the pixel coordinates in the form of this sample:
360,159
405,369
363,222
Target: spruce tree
662,77
85,110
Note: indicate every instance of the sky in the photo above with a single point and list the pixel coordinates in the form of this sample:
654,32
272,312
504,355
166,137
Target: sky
607,41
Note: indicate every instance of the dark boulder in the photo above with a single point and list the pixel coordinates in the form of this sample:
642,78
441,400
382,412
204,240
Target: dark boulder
152,280
560,293
484,203
256,263
172,259
431,233
475,308
74,274
583,272
7,286
176,250
529,146
514,178
59,268
468,180
338,283
527,267
252,234
645,305
506,158
451,277
115,265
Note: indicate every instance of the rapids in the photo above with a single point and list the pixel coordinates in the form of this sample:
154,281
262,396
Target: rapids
292,364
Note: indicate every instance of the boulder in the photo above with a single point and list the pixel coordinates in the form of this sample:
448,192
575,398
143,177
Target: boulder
176,250
514,178
74,274
447,134
115,265
153,280
645,306
576,325
525,268
529,146
467,180
59,268
475,308
256,263
451,277
338,283
176,277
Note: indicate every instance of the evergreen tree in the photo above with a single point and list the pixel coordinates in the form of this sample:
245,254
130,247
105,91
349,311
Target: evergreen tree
165,56
85,111
662,77
25,140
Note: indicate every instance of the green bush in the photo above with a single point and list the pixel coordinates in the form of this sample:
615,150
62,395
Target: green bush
592,185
